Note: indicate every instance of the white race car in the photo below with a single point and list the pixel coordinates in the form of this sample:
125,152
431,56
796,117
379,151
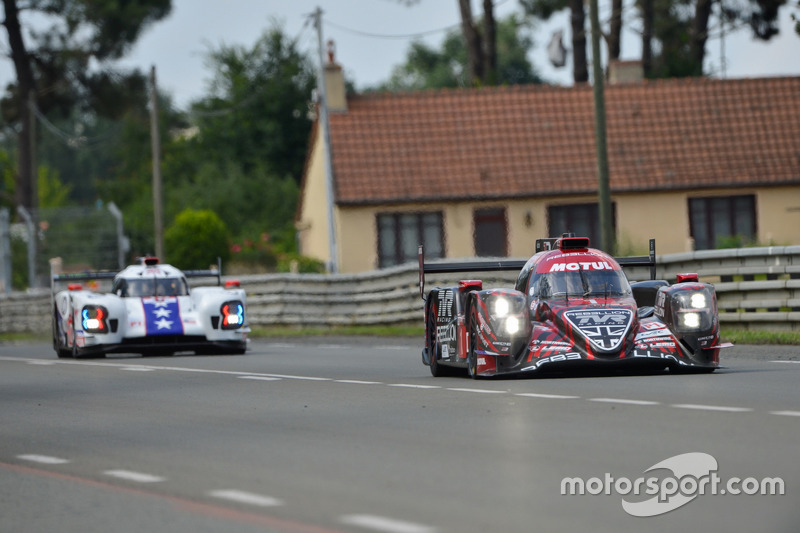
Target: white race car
150,310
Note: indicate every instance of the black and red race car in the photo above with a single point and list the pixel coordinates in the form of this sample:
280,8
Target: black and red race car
572,306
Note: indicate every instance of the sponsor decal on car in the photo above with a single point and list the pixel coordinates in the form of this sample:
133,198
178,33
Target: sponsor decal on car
582,265
604,328
162,316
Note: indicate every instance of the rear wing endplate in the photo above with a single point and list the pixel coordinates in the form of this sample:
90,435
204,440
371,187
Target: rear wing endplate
515,264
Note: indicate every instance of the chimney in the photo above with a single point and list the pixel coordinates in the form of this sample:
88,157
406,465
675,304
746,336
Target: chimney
334,83
620,72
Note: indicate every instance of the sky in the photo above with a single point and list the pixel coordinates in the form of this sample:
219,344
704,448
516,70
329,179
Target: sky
373,36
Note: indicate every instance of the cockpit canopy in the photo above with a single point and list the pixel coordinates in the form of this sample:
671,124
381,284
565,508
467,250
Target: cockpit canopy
579,283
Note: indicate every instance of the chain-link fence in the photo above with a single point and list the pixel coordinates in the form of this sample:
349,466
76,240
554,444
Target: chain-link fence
78,238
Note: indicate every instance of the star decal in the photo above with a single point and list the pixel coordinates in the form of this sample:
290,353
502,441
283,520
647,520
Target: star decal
162,312
163,323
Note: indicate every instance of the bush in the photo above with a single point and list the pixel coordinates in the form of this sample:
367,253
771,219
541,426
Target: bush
196,239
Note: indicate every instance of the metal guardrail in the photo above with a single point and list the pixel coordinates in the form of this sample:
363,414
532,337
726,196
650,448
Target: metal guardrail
757,288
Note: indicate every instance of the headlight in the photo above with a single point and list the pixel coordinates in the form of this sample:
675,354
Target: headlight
512,325
93,319
501,307
690,320
698,300
693,310
232,315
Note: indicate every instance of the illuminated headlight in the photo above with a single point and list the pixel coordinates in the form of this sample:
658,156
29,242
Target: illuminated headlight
693,310
690,320
232,315
698,300
501,307
512,325
93,319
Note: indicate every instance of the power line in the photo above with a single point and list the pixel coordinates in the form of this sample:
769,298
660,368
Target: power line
70,140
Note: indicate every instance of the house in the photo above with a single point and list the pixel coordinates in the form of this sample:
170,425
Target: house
694,163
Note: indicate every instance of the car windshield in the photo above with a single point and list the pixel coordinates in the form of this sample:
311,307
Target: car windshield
595,283
138,288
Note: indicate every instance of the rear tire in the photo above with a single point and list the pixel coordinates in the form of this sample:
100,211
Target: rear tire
434,350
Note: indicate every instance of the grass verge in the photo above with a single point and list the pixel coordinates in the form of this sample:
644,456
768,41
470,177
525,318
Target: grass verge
371,331
746,336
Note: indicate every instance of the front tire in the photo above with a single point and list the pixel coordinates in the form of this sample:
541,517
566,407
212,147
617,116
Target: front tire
472,356
59,336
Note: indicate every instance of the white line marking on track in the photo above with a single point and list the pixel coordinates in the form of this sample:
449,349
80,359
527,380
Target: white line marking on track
482,391
623,401
138,369
249,498
785,413
259,378
381,523
42,363
138,477
790,362
413,386
305,378
549,396
358,382
724,408
43,459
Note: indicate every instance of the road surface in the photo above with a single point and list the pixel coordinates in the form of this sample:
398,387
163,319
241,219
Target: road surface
353,434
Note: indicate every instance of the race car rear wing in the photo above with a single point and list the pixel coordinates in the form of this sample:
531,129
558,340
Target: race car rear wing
105,274
517,264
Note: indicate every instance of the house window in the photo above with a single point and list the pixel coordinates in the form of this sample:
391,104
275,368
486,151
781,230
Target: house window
399,235
581,219
722,221
490,232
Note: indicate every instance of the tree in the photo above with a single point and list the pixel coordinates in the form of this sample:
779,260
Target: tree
196,239
52,69
256,113
481,47
681,29
427,67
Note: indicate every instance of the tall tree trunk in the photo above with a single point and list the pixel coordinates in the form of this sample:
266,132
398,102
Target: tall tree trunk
474,45
490,43
615,31
26,86
648,19
700,34
580,71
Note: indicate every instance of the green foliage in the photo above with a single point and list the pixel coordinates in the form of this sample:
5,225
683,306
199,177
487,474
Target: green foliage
740,241
268,254
52,192
256,113
7,184
196,240
19,263
429,68
755,336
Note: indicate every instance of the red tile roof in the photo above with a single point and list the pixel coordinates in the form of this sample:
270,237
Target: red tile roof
528,141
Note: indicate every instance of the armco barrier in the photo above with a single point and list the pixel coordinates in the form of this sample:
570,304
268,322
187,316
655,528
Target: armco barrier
757,288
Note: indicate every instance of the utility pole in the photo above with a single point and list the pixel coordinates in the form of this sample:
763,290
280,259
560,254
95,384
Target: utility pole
322,105
156,149
603,189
